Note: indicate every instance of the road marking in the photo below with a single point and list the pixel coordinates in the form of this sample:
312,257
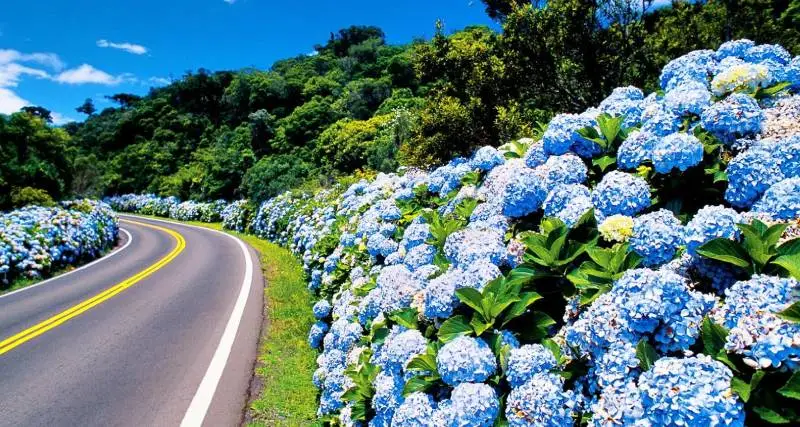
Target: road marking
198,408
28,334
109,255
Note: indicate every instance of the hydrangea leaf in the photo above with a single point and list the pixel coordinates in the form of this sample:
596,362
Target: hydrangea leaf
713,336
792,387
519,307
726,251
646,354
417,384
770,415
792,313
453,328
745,389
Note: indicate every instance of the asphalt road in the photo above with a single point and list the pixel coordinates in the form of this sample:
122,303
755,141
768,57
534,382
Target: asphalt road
177,346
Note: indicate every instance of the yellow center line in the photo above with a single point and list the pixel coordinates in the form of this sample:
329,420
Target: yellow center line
34,331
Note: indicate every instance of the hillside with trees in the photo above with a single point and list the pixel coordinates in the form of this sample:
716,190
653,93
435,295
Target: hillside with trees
359,103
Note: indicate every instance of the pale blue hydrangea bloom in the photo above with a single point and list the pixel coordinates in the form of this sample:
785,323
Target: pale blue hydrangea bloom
465,359
322,309
676,151
468,246
782,200
527,361
635,149
750,174
621,193
486,158
540,402
469,405
736,115
709,223
690,391
656,236
416,411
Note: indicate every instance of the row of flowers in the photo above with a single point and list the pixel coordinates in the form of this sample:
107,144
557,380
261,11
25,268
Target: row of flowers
234,216
636,265
35,241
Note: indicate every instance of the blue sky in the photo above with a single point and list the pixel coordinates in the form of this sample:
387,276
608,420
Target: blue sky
55,53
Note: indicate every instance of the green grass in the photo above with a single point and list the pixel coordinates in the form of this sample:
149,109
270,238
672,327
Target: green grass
285,362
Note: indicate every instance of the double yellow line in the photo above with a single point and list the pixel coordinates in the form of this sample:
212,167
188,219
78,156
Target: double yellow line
10,343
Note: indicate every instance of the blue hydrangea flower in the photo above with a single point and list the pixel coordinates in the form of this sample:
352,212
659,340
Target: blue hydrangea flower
468,246
782,200
469,405
676,151
465,359
657,119
486,158
523,194
767,52
656,236
695,66
750,174
564,169
568,202
508,338
541,401
688,98
419,256
562,136
316,333
624,101
690,391
734,48
527,361
787,154
621,193
416,234
401,349
635,149
736,115
378,244
535,156
388,393
342,335
415,411
322,309
709,223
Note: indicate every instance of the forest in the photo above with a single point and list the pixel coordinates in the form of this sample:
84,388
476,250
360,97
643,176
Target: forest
361,104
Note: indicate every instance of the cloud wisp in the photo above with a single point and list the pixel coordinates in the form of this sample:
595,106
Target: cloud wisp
135,49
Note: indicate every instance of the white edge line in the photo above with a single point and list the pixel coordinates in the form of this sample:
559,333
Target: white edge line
198,408
98,260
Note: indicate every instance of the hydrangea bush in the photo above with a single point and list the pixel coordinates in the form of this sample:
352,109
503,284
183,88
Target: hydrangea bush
636,265
35,241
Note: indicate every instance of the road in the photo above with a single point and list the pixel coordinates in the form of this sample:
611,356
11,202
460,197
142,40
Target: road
158,333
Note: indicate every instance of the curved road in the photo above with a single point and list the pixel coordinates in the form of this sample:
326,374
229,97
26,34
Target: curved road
157,334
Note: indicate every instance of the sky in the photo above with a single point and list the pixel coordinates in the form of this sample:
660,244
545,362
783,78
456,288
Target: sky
55,54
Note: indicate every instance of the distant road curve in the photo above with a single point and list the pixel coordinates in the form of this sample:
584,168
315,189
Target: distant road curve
161,332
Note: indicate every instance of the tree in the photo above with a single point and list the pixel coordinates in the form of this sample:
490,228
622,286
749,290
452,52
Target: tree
87,107
40,112
125,100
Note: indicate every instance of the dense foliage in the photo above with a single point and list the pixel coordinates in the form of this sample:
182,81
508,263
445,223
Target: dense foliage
361,103
36,241
637,264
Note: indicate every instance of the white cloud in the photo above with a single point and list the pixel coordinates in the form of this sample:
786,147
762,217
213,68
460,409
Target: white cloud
10,102
135,49
50,60
229,1
86,73
159,81
59,119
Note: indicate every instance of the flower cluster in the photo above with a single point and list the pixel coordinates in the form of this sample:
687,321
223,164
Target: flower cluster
526,287
35,241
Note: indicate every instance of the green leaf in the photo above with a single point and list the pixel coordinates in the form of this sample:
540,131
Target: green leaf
417,384
713,336
453,328
519,307
790,263
646,354
792,387
791,313
408,317
479,325
423,362
772,90
604,162
553,347
471,297
726,251
745,389
358,411
789,247
770,415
